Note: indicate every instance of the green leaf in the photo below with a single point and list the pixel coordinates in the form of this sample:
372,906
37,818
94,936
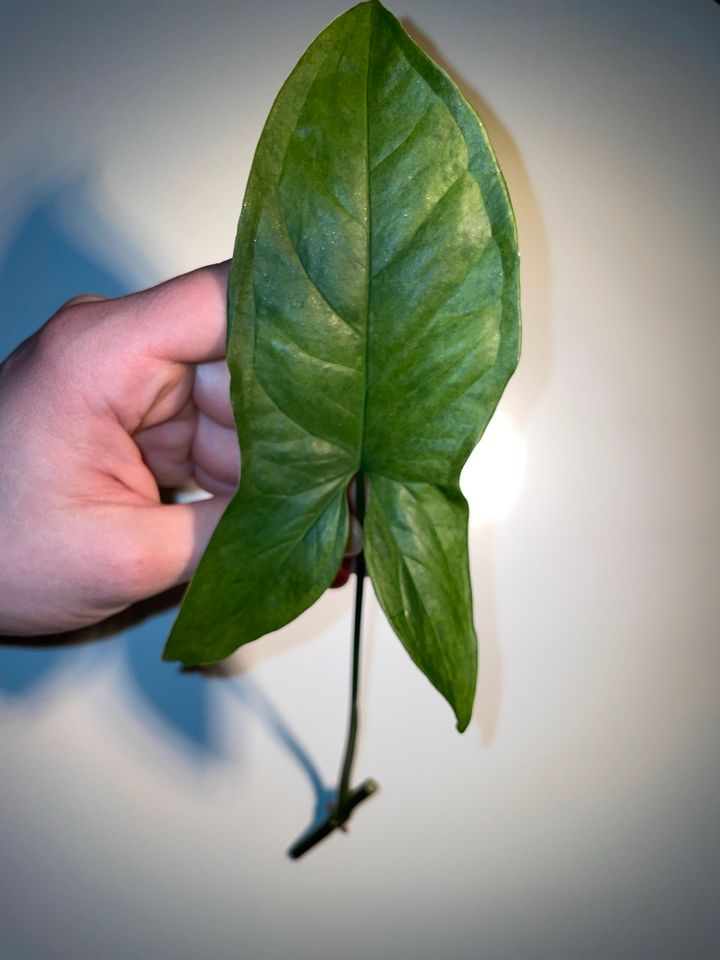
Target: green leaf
373,324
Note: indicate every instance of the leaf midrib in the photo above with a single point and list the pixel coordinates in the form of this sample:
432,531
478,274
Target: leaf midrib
368,254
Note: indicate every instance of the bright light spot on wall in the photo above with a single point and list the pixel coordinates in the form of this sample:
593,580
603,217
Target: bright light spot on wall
493,476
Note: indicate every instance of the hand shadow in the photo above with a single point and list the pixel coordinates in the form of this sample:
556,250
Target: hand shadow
43,267
46,264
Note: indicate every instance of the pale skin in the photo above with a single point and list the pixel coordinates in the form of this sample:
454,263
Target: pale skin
109,401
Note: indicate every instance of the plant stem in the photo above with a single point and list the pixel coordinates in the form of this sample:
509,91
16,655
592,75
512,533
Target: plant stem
346,770
347,799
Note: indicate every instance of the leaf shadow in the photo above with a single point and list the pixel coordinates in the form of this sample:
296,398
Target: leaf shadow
528,383
246,689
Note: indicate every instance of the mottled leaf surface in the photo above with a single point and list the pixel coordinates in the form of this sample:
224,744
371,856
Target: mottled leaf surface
373,324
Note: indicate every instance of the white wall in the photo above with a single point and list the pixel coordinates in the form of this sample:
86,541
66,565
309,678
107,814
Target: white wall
144,813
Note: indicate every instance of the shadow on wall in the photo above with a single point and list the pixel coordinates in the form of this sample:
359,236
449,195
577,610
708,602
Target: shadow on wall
44,266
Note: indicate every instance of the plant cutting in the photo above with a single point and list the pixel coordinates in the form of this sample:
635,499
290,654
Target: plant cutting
373,322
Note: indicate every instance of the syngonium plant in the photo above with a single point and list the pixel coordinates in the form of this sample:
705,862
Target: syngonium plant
373,322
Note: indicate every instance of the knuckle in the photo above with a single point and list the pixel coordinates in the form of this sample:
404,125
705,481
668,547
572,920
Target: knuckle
82,298
56,343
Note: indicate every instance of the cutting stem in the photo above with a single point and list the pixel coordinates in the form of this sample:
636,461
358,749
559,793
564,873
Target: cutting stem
346,770
347,799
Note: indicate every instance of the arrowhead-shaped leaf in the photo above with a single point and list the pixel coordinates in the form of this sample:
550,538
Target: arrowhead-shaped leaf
374,322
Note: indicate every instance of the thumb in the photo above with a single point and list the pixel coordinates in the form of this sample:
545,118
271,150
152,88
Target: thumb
165,544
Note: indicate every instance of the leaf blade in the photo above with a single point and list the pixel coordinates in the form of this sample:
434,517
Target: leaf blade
296,434
373,324
416,552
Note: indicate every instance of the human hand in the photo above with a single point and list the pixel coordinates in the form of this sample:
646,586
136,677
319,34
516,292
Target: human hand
108,401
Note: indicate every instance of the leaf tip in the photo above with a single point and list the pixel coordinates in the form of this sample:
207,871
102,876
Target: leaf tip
463,708
463,722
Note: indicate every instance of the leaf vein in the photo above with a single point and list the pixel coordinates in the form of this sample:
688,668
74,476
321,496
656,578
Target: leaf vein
283,334
406,247
390,363
403,142
313,282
